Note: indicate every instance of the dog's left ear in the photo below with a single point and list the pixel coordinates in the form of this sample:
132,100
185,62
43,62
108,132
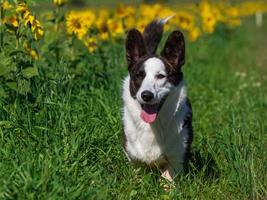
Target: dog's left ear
174,49
135,47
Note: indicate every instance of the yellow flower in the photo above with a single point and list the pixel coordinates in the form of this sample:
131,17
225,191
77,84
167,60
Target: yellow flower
13,20
124,11
31,51
75,25
35,25
232,17
150,11
103,13
59,2
21,8
38,33
30,21
251,7
101,22
104,36
6,5
79,23
88,16
129,22
115,27
183,20
91,44
165,12
208,16
28,18
232,12
194,34
209,24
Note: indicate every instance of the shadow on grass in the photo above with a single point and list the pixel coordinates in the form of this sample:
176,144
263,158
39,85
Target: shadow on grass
199,165
203,164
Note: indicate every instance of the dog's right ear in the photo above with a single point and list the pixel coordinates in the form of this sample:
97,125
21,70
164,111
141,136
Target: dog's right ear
135,47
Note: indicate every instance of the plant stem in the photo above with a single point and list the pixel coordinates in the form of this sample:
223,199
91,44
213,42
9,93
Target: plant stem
1,24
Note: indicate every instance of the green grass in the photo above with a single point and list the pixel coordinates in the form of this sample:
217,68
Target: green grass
66,143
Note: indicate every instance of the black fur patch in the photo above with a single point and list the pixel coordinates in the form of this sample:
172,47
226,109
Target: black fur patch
188,125
152,36
137,75
174,75
174,50
135,47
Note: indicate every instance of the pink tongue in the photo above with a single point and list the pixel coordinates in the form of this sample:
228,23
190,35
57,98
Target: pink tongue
149,113
148,118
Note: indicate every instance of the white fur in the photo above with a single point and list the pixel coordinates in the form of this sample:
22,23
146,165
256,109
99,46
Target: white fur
163,141
159,87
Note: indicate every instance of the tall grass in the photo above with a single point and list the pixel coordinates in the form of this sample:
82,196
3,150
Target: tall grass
66,142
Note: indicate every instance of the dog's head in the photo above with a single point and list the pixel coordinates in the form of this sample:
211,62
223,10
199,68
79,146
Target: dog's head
153,77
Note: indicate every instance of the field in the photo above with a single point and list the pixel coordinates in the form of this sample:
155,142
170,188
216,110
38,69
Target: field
62,140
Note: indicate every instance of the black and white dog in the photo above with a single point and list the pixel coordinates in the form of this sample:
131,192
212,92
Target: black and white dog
157,115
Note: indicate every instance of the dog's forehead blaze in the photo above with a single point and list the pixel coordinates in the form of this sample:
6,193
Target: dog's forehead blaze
153,62
145,65
154,65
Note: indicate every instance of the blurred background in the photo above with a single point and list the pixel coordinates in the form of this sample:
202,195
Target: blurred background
62,63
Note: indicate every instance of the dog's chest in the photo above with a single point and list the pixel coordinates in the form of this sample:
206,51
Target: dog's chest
150,144
144,145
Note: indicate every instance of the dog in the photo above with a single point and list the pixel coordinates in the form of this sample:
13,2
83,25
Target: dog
156,114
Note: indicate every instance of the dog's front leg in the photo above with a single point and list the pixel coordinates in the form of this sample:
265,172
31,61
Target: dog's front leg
167,173
173,168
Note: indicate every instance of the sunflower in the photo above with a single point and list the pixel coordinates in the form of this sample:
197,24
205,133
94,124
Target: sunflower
75,25
6,5
115,27
91,44
33,53
13,20
208,16
124,11
79,23
184,20
30,20
194,34
21,8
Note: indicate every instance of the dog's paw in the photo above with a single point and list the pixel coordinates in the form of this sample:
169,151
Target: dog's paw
167,175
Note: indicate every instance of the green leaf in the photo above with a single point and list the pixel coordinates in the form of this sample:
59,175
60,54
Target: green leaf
24,86
6,124
30,72
5,69
2,92
13,52
6,65
12,85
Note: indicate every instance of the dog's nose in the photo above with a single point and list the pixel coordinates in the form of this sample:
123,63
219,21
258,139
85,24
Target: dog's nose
147,95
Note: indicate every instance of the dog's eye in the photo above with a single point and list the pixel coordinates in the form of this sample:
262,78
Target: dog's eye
160,76
140,74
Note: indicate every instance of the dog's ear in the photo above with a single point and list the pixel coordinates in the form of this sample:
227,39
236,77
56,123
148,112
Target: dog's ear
135,47
174,49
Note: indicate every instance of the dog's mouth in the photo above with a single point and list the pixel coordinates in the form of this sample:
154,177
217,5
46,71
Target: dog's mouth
149,112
